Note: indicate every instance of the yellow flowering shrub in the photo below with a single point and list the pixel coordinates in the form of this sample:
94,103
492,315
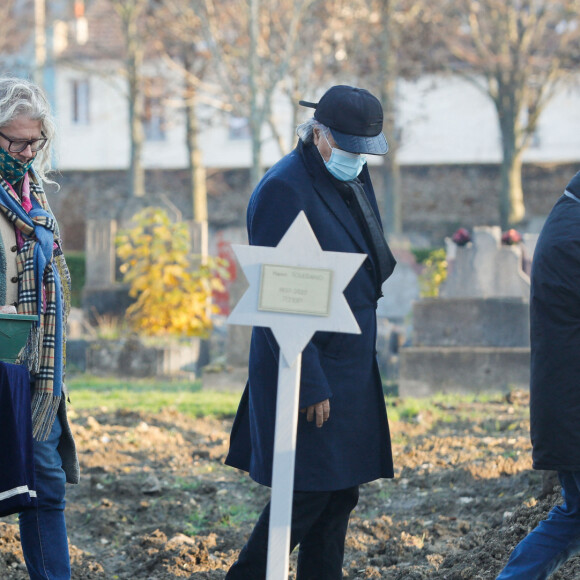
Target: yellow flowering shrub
172,290
434,274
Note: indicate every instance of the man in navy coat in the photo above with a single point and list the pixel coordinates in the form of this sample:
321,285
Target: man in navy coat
343,434
555,387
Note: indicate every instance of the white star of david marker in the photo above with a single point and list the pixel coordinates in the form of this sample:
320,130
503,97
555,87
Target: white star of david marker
295,289
299,248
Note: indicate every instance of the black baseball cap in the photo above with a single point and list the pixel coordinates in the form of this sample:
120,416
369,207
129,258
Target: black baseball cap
354,117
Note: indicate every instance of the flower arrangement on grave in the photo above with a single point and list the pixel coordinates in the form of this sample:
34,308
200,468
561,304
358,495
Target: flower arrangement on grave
511,237
461,237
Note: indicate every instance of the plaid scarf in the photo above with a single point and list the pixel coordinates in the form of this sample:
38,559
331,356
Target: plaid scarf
44,288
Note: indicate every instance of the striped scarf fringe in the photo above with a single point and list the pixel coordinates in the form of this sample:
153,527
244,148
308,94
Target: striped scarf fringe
40,266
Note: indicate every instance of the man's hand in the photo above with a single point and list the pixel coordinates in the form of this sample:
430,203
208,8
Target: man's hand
320,410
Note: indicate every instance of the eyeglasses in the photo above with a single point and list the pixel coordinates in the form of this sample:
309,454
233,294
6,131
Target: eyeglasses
19,145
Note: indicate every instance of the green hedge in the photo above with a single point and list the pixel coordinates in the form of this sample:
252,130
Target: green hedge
422,254
76,265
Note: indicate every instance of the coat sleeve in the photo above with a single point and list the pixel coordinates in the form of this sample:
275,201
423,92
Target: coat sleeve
272,209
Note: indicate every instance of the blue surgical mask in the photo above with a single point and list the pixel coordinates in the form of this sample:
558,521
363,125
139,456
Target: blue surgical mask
343,165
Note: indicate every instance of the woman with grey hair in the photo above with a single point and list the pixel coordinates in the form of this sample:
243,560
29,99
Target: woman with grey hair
34,280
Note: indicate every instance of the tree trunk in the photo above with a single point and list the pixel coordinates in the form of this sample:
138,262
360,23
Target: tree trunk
134,64
197,174
39,41
390,168
512,209
255,124
511,201
393,222
508,105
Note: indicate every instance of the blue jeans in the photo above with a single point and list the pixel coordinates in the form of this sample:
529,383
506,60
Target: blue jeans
43,529
553,540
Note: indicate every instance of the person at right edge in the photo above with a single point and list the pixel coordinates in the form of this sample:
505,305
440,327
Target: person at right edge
343,434
555,387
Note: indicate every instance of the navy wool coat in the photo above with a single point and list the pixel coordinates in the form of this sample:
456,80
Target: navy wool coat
555,338
354,446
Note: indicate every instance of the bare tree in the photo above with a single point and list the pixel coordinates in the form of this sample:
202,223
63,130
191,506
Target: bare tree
115,47
15,29
181,45
131,14
517,52
308,75
390,18
375,42
253,42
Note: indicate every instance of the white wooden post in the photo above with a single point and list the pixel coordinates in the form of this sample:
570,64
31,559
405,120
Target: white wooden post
294,289
283,468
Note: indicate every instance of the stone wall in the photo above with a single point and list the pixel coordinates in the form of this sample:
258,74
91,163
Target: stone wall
460,322
425,371
439,199
104,195
132,358
436,199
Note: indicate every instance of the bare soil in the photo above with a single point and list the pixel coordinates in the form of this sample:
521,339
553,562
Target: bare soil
156,502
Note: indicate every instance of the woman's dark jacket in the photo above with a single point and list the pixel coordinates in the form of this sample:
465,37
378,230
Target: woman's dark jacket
354,446
555,338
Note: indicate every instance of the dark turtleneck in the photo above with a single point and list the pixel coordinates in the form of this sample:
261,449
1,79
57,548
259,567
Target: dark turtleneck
344,188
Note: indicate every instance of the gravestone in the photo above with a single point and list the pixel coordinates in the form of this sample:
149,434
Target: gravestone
401,289
475,337
102,294
100,244
485,268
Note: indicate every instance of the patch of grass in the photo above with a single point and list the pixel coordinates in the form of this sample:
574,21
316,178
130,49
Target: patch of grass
87,392
196,522
411,409
441,407
237,515
232,516
406,409
81,381
390,388
187,397
183,484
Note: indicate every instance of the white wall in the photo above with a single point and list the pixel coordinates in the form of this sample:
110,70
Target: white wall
443,120
446,120
449,120
104,142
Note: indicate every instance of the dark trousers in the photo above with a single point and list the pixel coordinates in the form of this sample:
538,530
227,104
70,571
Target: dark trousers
319,524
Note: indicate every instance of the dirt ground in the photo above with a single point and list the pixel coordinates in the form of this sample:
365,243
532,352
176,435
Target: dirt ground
156,502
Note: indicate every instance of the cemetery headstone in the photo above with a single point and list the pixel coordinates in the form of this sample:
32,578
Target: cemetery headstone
475,336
